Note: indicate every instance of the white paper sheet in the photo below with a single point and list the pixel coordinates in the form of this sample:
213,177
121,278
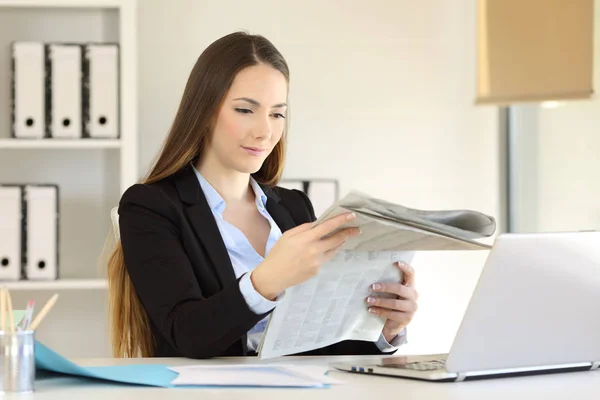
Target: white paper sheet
263,375
313,372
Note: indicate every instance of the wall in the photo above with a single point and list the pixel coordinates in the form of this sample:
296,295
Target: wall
381,99
556,162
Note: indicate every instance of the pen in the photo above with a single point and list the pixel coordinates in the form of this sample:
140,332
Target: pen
28,315
3,309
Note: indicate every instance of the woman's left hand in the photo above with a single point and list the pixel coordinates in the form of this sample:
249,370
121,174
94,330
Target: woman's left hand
399,311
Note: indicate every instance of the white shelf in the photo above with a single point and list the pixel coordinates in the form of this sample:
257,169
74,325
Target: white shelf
59,144
61,284
63,3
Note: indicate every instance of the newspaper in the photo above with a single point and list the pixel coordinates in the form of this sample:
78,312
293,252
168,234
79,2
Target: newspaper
387,226
331,307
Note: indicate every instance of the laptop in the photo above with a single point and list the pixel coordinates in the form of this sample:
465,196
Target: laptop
535,309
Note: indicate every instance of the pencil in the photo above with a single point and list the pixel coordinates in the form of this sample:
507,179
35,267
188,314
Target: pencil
9,308
38,318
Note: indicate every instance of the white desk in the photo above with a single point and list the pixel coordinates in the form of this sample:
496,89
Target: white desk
579,385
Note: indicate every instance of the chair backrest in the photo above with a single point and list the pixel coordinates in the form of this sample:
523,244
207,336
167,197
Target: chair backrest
114,216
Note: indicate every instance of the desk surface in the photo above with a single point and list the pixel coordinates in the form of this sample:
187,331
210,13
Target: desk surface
582,385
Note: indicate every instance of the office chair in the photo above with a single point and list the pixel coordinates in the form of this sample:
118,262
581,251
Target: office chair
114,216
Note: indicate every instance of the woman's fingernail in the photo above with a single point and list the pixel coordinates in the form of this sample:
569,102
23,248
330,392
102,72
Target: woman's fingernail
371,300
401,263
372,310
376,286
350,216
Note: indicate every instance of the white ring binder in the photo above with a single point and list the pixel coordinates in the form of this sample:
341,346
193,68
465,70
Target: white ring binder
101,90
28,62
64,91
42,234
11,232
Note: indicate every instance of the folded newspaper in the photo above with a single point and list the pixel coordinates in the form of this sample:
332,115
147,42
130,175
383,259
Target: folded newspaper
330,307
387,226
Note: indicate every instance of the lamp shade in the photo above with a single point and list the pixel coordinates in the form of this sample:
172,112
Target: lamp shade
534,50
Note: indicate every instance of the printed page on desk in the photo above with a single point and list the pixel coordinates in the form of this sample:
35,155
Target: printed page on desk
331,307
387,226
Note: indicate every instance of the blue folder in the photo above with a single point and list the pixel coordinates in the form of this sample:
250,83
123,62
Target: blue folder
143,374
146,374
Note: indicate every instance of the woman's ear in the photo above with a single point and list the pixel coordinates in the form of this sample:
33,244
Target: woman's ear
211,125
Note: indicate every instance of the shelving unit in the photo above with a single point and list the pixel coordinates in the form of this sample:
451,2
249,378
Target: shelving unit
59,144
90,181
91,173
61,284
66,3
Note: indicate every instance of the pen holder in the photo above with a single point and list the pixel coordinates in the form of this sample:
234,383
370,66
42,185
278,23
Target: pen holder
17,362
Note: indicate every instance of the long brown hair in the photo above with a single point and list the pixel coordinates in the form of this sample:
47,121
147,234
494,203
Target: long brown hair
207,85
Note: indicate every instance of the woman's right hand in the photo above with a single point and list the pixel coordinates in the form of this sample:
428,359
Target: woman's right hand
299,253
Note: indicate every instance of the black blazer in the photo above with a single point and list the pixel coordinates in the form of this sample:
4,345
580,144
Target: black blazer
182,273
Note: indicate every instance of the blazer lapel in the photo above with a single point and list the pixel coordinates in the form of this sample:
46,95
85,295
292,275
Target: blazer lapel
206,229
204,225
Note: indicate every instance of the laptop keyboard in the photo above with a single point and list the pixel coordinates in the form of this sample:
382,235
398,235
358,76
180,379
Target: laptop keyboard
428,365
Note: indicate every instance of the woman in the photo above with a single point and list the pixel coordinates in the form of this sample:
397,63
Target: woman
208,242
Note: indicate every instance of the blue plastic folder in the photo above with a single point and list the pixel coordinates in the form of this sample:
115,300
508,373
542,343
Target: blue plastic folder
146,374
157,375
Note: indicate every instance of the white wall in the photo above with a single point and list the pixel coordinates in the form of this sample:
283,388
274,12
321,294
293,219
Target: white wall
381,99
